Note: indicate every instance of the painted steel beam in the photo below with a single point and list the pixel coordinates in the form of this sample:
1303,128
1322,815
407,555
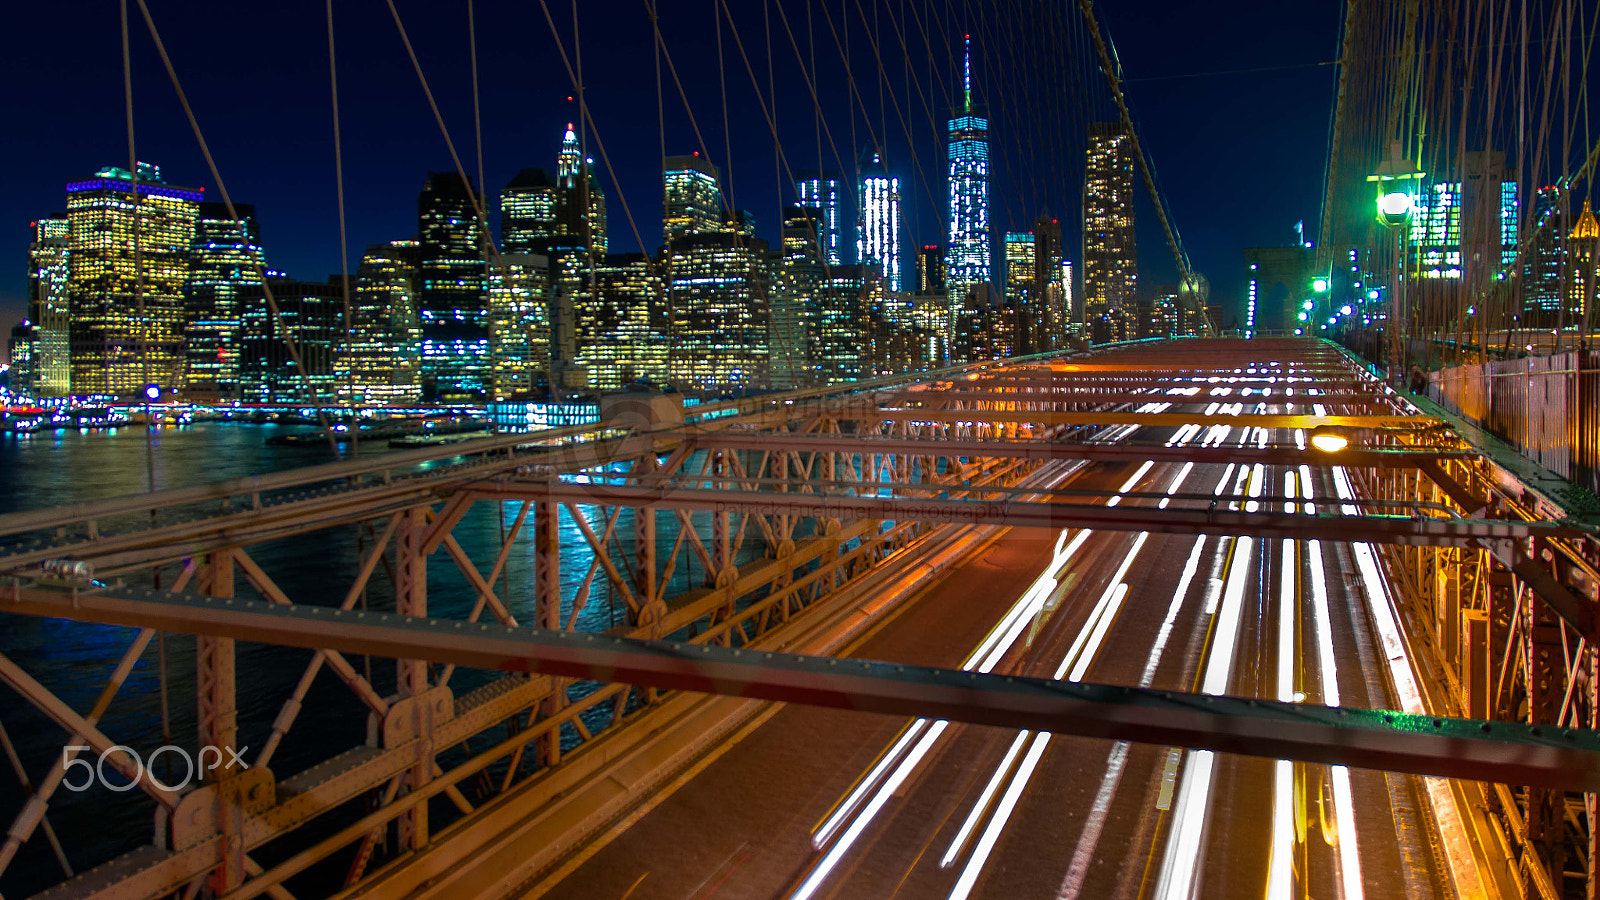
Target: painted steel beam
1031,449
1561,759
1156,420
1023,514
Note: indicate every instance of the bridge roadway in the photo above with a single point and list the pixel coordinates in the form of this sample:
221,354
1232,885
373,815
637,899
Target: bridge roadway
1092,818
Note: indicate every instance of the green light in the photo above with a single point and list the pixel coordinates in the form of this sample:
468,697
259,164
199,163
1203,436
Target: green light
1302,317
1307,305
1320,285
1395,204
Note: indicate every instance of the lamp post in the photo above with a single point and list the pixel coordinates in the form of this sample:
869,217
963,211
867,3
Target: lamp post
1396,179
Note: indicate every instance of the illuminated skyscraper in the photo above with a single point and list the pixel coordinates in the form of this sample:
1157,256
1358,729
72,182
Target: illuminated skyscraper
719,308
124,336
1110,266
23,350
930,269
1482,214
454,305
311,314
1044,324
970,259
226,256
529,211
519,313
1021,299
1547,257
631,344
692,197
49,309
825,192
379,365
878,247
1583,245
800,272
582,200
836,336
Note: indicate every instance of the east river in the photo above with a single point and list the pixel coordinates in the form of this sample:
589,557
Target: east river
73,660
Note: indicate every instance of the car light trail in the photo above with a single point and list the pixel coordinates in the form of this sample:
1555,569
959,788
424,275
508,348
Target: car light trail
1078,868
1343,800
1181,865
991,834
837,852
1280,870
1463,865
984,799
1106,600
826,831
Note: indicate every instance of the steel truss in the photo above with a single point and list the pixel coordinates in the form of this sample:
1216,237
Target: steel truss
731,535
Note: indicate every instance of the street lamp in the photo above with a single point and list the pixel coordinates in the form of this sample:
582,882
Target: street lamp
152,392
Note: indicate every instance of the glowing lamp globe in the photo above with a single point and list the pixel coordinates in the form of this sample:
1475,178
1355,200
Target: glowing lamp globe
152,392
1320,285
1394,207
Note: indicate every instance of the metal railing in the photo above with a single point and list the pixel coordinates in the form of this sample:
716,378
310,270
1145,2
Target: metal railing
1545,406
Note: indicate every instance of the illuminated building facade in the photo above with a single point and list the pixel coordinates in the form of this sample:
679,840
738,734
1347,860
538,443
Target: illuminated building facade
123,337
1021,297
630,342
930,269
970,262
226,257
1044,320
719,307
529,211
835,337
878,246
49,309
1481,212
1547,258
582,200
1584,246
23,350
692,197
519,315
1110,265
379,365
800,271
454,306
311,314
825,192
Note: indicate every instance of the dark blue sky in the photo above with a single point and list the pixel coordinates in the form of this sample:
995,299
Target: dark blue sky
1240,155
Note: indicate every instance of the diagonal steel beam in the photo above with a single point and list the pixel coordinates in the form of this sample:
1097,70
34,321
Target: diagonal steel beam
1037,514
1562,759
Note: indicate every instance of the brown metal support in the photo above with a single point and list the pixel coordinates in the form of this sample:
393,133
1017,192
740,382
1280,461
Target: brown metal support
1544,824
547,607
411,675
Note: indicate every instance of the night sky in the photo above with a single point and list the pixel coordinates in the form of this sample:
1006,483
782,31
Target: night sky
1232,100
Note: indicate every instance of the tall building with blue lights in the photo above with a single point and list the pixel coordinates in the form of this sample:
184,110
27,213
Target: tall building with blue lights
825,192
453,300
878,247
970,256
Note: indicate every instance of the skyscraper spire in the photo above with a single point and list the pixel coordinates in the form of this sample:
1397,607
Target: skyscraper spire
571,155
968,76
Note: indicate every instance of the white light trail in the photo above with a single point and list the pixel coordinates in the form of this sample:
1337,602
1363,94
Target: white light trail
1458,854
1100,607
1344,809
991,834
1220,662
844,810
1280,868
837,852
984,799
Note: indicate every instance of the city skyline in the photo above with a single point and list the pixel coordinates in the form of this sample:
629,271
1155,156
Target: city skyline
301,220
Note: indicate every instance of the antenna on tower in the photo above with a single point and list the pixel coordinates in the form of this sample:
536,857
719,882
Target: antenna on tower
968,74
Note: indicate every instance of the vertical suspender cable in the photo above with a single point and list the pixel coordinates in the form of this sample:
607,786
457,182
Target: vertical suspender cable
344,245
